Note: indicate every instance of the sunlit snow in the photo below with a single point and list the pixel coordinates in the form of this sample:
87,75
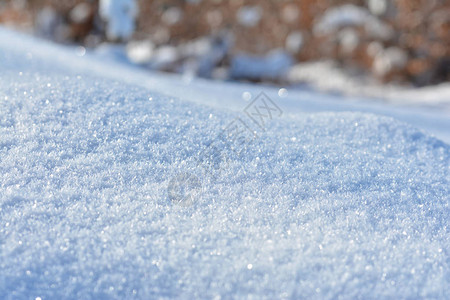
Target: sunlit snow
328,201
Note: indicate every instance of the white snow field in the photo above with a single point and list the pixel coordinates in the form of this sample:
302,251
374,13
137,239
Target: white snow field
335,199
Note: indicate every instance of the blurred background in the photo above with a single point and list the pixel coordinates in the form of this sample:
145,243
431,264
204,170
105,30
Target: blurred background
405,42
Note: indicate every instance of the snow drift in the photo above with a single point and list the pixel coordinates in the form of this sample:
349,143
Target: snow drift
323,205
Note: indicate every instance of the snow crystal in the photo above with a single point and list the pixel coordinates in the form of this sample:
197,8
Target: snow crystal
320,205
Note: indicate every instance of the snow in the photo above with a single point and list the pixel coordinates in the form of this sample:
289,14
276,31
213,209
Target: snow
197,57
345,15
389,59
120,17
377,7
271,66
351,15
294,42
80,13
328,77
172,16
249,16
331,200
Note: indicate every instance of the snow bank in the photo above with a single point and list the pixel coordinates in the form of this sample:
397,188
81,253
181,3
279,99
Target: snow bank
322,205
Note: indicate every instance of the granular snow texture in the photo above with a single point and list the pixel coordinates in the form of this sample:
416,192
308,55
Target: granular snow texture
325,206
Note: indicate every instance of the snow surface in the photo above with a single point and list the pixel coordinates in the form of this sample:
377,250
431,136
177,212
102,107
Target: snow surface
326,76
323,204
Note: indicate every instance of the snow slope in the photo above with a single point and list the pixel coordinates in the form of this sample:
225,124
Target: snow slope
320,205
